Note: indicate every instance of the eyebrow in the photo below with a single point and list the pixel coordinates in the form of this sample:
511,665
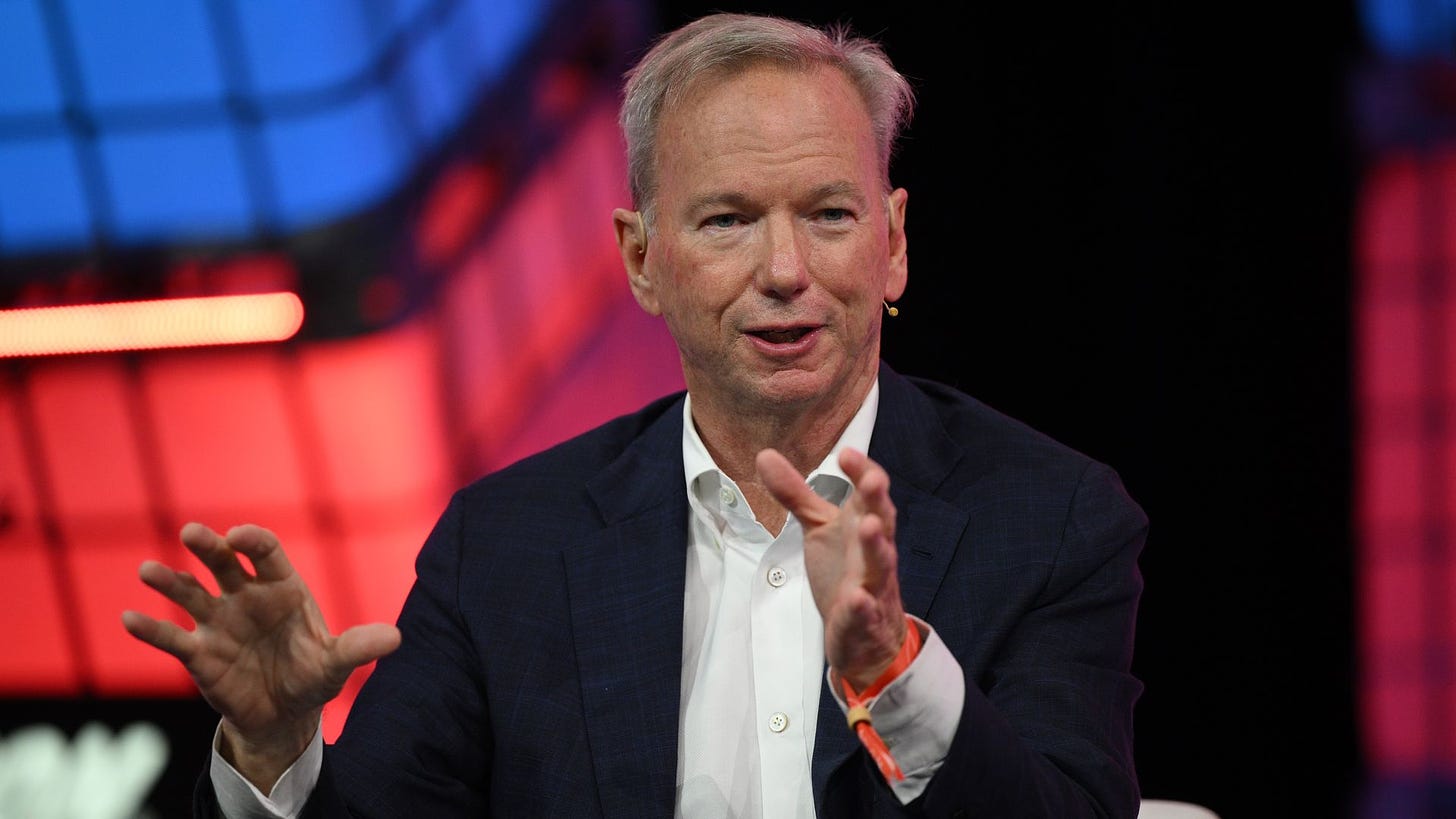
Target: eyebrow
731,199
740,201
841,188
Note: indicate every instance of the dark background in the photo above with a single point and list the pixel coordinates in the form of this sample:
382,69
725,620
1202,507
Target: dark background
1130,227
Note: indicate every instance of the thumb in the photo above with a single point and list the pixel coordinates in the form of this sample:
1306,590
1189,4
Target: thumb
363,644
787,486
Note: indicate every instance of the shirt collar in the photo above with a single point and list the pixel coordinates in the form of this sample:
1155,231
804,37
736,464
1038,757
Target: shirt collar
704,479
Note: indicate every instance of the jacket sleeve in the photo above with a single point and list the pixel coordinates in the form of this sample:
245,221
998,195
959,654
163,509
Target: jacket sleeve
1046,730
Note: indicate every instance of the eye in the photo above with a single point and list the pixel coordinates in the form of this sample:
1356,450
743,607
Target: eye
722,221
835,215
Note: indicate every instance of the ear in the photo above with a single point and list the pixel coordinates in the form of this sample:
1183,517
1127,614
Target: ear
899,264
632,243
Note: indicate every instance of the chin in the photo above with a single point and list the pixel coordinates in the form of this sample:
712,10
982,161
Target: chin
792,388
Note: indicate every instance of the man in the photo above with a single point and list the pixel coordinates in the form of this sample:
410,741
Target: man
637,622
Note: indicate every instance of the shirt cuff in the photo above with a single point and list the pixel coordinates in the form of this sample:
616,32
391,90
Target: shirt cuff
240,799
917,713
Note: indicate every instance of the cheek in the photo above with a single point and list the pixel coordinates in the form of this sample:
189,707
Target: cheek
853,274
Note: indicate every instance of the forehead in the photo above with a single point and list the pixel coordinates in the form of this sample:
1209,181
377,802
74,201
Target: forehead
764,120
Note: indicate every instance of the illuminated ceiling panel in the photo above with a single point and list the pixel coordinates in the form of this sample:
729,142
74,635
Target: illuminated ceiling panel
1409,28
227,121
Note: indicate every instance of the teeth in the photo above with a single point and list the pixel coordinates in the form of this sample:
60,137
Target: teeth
782,336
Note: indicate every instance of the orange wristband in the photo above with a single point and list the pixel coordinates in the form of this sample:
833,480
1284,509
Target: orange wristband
859,713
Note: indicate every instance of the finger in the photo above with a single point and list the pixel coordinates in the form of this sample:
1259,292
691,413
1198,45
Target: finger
216,555
879,554
871,487
263,549
363,644
788,487
179,587
160,634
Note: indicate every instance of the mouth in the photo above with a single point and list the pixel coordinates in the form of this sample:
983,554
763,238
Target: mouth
782,336
785,341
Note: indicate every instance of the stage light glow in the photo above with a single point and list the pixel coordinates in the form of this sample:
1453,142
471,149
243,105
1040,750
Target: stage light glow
149,325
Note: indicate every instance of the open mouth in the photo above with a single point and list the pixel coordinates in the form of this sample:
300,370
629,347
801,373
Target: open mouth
782,336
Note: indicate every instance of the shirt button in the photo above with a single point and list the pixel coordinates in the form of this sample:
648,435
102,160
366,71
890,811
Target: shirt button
778,722
777,577
730,498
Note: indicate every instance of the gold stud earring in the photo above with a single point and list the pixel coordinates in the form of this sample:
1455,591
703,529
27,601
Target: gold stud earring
892,310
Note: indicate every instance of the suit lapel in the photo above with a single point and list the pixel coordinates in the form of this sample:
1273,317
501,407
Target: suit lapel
626,597
910,442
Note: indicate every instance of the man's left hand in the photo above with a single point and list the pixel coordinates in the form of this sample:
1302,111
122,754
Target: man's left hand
849,553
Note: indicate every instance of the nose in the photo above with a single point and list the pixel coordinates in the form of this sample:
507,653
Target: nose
785,270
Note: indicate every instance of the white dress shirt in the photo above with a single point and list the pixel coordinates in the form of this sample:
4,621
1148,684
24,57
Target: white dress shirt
753,661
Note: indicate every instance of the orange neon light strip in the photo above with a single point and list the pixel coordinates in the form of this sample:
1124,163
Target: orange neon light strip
149,325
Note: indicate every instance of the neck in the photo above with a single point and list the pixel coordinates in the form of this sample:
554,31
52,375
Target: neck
803,435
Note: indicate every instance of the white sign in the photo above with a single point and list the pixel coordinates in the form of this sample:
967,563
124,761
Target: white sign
97,775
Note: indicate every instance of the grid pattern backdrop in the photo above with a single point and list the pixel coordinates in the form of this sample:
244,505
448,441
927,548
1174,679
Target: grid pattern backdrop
156,121
1404,317
1406,456
408,168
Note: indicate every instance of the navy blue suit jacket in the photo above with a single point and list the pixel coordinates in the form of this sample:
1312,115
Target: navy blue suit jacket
540,669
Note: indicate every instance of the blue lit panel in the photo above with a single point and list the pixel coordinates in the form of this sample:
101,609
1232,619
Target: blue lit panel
332,103
329,164
439,94
42,201
1410,28
494,34
175,185
402,11
301,46
146,52
27,73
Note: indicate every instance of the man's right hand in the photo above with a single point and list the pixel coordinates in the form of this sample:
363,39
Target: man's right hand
261,654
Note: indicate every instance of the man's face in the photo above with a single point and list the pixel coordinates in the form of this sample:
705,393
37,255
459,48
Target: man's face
774,243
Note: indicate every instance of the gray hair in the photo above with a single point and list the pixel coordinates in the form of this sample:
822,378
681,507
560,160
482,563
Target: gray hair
728,44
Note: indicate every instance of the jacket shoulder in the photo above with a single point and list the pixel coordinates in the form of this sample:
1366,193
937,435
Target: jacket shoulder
992,439
563,469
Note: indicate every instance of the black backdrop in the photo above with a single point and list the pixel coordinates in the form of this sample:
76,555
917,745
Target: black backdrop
1129,227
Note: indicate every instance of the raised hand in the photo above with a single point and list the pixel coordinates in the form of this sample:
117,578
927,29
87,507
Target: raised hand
849,554
261,654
